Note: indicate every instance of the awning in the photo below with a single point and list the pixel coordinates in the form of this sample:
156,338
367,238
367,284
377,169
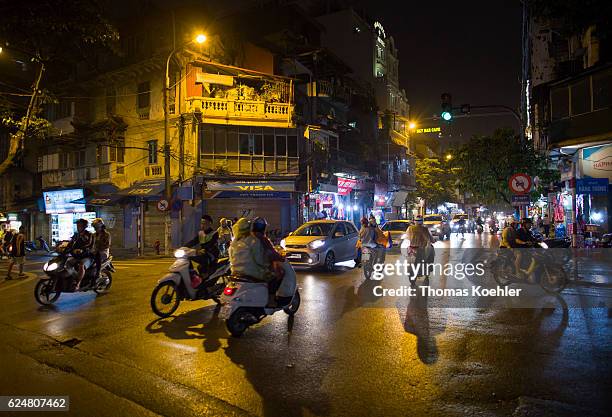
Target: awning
99,200
150,188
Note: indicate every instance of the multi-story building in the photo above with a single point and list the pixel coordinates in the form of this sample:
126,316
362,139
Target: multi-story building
569,115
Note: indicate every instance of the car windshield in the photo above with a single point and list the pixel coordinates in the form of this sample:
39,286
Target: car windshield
314,229
433,219
395,227
460,216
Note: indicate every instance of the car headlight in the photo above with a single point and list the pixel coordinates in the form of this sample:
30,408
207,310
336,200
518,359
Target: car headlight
49,267
283,244
179,253
315,244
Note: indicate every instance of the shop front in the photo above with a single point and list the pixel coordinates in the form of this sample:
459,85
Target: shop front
64,208
276,201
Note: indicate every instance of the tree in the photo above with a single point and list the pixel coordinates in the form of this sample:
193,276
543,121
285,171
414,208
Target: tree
485,164
434,181
51,33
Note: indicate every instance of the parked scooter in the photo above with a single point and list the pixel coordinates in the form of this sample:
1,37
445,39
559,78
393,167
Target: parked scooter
61,277
245,300
39,244
182,282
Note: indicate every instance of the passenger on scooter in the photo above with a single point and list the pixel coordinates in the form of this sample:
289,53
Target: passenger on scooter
362,232
207,240
102,243
508,240
80,247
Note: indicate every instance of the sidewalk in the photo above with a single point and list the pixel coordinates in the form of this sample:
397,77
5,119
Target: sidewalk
592,267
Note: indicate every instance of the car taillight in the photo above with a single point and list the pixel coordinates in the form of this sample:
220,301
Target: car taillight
229,290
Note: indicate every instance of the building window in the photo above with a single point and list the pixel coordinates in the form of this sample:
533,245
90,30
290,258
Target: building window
144,95
244,147
111,102
116,152
559,98
152,146
602,88
581,97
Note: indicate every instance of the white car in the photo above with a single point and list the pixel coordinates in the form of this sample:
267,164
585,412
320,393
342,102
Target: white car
434,223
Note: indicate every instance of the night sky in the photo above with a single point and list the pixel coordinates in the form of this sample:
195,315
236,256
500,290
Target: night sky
471,49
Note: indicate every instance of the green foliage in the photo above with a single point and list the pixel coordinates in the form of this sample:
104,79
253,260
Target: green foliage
435,181
485,164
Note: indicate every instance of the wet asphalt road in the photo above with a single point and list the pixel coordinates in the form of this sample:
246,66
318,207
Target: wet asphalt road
344,354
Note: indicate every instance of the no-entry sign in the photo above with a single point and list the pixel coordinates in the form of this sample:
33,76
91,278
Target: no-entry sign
520,183
162,205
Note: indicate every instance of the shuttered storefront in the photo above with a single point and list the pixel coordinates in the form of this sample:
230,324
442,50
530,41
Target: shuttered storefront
276,212
154,225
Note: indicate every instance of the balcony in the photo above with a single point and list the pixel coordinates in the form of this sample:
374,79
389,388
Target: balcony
576,110
80,176
241,112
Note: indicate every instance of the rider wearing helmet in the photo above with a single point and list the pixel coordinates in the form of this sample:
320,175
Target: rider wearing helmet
272,259
225,235
80,247
102,242
524,239
208,241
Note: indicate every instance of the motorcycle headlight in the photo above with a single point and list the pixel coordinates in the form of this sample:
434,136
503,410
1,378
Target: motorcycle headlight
49,267
179,253
283,244
315,244
543,245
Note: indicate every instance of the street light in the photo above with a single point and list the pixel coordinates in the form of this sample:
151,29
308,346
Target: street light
200,38
412,125
449,157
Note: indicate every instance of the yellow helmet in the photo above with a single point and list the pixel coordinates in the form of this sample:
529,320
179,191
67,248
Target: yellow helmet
97,222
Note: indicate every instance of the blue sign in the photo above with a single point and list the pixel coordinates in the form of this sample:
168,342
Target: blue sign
593,186
520,200
62,201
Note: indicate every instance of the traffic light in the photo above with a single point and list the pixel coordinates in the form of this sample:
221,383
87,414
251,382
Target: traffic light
447,107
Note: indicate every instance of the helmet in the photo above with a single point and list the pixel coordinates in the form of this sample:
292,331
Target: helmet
84,222
241,227
97,222
259,224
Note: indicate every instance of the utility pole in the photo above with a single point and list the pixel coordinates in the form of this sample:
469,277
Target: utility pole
167,184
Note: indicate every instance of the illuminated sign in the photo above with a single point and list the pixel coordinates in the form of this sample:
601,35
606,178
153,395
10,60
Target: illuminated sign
61,201
251,186
378,26
346,185
428,130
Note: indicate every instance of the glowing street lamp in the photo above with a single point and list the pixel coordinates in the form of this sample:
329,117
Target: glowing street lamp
201,38
449,157
412,125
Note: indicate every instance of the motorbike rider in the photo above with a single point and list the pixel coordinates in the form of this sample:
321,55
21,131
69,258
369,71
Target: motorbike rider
368,235
225,235
479,222
208,241
271,256
102,242
508,239
80,247
461,226
420,240
359,244
524,239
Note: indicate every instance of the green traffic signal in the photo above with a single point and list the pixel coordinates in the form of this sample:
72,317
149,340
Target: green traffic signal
446,115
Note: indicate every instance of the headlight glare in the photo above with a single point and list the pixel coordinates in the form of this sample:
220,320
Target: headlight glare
179,253
315,244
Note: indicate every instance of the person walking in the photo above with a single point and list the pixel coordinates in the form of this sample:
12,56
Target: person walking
546,225
17,253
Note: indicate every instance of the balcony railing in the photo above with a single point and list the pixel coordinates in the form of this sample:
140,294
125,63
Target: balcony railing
224,111
67,177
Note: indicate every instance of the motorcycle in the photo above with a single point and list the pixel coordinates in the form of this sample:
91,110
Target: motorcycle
182,282
61,277
245,300
31,246
548,273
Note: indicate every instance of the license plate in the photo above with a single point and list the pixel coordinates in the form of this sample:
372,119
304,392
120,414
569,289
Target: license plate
225,311
294,256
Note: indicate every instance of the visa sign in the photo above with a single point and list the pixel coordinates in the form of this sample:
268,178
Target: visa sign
255,188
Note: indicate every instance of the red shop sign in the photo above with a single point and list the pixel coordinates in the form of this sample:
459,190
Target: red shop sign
346,185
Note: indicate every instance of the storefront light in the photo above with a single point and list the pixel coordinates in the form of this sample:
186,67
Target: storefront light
596,216
355,207
340,206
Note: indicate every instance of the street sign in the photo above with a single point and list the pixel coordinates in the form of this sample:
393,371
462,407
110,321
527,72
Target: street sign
520,183
593,186
520,200
162,205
